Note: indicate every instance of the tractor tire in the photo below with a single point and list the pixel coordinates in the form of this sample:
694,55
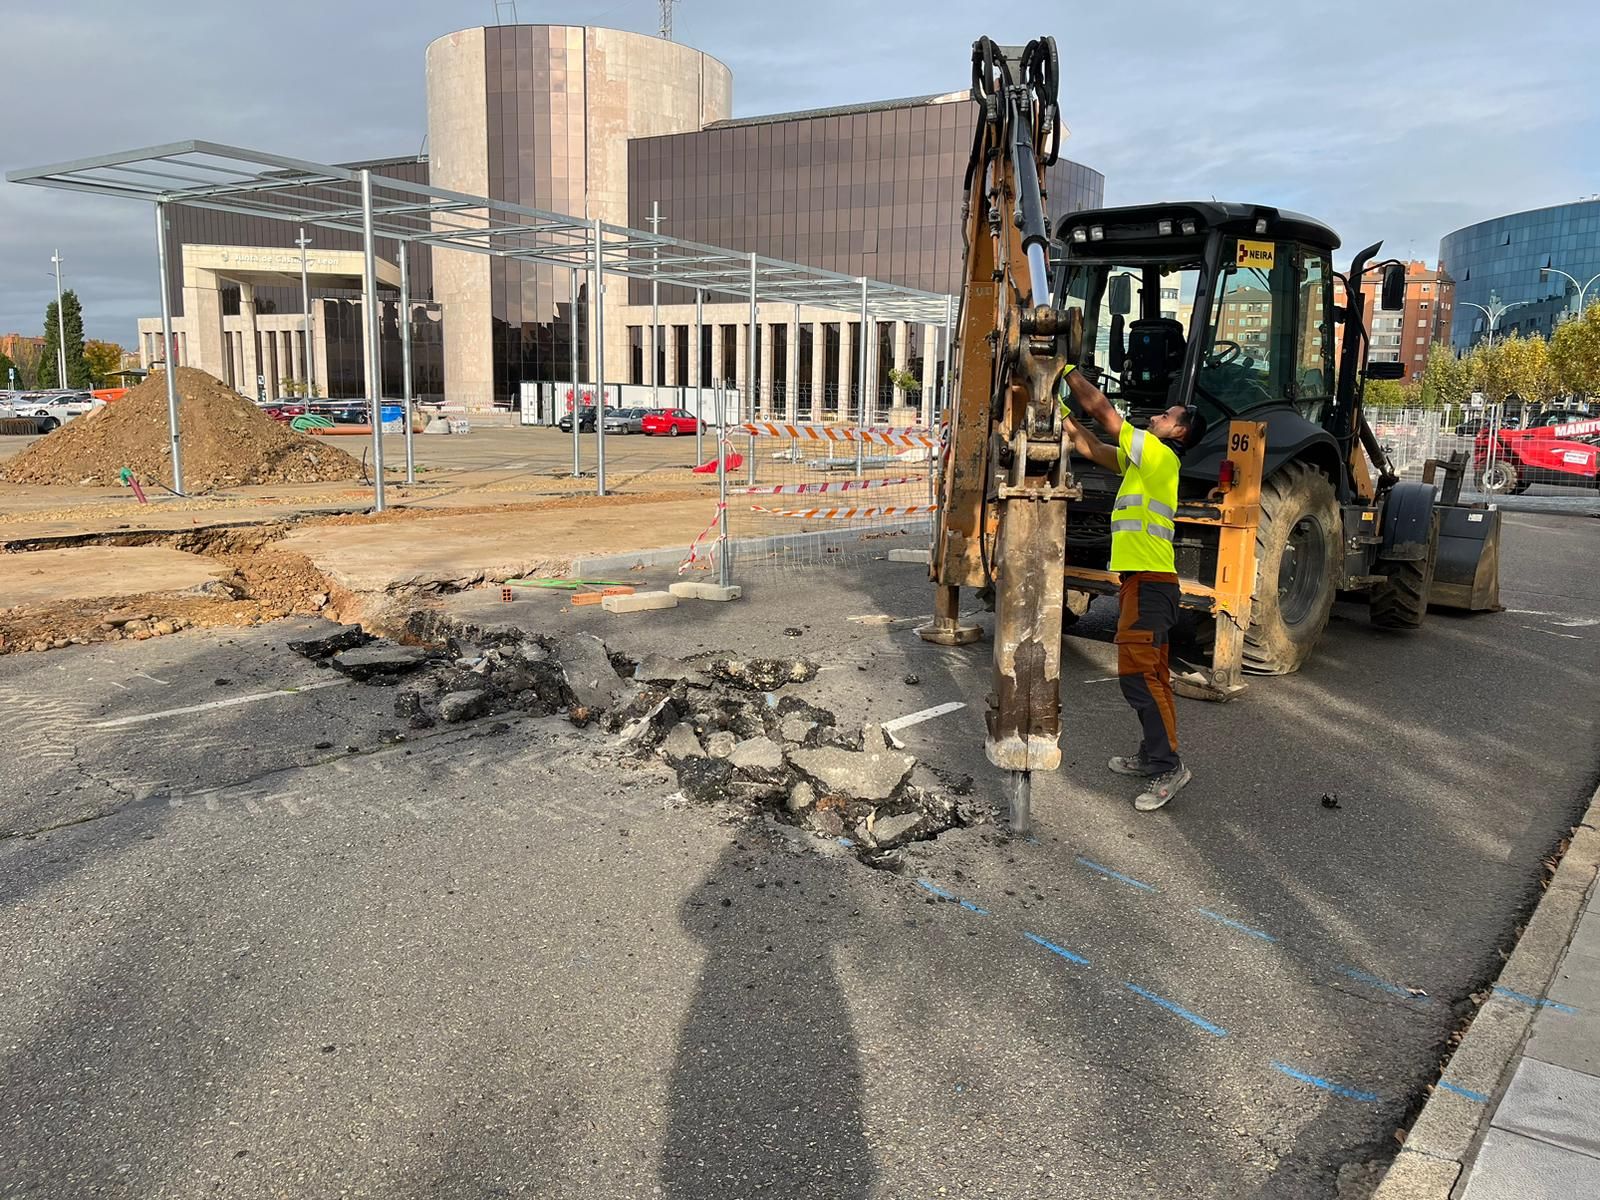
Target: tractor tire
1401,600
1297,549
48,424
1501,478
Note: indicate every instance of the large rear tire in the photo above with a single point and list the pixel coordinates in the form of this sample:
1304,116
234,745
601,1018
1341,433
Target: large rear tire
1297,548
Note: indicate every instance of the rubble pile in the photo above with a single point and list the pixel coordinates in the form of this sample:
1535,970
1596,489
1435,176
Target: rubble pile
719,721
227,442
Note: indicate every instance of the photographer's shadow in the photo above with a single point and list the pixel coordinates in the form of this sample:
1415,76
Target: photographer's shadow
767,1086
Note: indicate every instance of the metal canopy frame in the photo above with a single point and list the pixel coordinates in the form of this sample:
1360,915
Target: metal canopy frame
258,184
360,200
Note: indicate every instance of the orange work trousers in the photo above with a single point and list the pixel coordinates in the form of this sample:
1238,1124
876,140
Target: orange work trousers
1149,601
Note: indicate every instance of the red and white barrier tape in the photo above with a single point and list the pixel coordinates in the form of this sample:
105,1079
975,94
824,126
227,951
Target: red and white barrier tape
839,514
839,433
839,485
693,561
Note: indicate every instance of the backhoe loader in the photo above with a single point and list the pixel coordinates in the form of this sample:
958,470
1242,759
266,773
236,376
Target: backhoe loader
1286,503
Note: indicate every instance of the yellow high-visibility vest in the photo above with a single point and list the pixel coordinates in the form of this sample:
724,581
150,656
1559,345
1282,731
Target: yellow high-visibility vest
1144,520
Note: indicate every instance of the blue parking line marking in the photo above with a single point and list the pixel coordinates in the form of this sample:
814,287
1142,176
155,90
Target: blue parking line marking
1118,875
1532,1001
1461,1091
1242,928
1177,1009
1381,984
1338,1089
944,895
1055,949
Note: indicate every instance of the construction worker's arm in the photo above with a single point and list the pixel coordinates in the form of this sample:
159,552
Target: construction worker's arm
1091,399
1093,402
1091,447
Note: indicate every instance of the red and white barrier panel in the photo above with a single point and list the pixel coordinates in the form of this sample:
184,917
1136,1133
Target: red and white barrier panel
839,433
840,485
839,514
696,561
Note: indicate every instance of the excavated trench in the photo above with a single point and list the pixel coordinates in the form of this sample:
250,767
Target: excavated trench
730,727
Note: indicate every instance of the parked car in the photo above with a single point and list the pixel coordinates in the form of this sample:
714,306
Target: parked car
1479,425
585,421
670,422
625,420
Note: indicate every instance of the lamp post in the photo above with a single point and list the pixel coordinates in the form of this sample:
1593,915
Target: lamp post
1494,311
305,308
1546,272
61,327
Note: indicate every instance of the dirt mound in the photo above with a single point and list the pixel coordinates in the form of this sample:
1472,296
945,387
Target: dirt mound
227,442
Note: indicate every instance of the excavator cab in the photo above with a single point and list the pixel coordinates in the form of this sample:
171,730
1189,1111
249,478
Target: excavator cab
1226,307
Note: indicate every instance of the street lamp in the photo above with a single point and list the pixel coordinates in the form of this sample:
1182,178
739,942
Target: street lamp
61,327
1494,311
305,308
1544,277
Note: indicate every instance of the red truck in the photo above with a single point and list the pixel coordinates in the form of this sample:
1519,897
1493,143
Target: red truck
1567,453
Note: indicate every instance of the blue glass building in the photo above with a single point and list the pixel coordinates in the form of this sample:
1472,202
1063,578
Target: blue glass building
1502,258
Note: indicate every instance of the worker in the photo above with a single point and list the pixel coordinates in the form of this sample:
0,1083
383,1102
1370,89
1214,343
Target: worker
1143,524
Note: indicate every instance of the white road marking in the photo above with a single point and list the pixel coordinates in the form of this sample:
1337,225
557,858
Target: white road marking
1102,679
142,718
153,679
916,718
1553,633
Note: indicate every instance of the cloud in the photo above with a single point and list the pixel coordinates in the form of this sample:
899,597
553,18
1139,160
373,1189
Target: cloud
1387,120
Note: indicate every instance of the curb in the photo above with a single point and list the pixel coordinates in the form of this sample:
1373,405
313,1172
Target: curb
600,566
1444,1139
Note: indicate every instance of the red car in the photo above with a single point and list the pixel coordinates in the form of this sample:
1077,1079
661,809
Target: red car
670,422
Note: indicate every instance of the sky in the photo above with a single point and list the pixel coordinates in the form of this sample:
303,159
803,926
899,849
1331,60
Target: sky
1397,121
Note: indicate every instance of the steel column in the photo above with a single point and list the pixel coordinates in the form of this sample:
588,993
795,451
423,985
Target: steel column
599,363
572,312
369,311
169,351
699,384
405,361
866,345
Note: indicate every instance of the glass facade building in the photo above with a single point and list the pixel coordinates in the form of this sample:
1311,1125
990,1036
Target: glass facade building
1500,259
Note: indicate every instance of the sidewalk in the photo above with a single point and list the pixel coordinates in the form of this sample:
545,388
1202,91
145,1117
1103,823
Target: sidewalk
1543,1138
1516,1113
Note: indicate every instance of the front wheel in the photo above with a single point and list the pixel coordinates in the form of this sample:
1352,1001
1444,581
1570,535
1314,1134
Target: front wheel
1501,478
49,425
1401,600
672,431
1297,547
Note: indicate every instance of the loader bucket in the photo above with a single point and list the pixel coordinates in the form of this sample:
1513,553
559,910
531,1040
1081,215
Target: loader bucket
1466,573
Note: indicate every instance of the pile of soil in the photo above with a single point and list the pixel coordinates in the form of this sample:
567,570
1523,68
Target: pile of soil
226,442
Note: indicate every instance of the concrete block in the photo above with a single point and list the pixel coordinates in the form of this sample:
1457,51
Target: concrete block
639,602
1571,1039
689,589
911,556
1555,1105
1509,1165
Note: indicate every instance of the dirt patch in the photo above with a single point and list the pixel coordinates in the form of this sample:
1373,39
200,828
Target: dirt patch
264,583
227,442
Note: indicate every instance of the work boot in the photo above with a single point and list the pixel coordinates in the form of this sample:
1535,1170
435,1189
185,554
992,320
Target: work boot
1135,764
1162,788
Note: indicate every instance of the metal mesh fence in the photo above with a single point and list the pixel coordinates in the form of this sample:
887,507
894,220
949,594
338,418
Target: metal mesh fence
1550,460
804,492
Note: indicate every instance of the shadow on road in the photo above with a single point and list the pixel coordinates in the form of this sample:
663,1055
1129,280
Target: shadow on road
767,1086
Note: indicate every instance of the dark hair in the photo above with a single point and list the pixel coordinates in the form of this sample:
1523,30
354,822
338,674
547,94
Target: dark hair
1194,426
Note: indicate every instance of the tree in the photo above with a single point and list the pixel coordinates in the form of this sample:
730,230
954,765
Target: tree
27,364
77,370
905,381
1575,352
1446,379
103,359
1487,370
6,367
1383,393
